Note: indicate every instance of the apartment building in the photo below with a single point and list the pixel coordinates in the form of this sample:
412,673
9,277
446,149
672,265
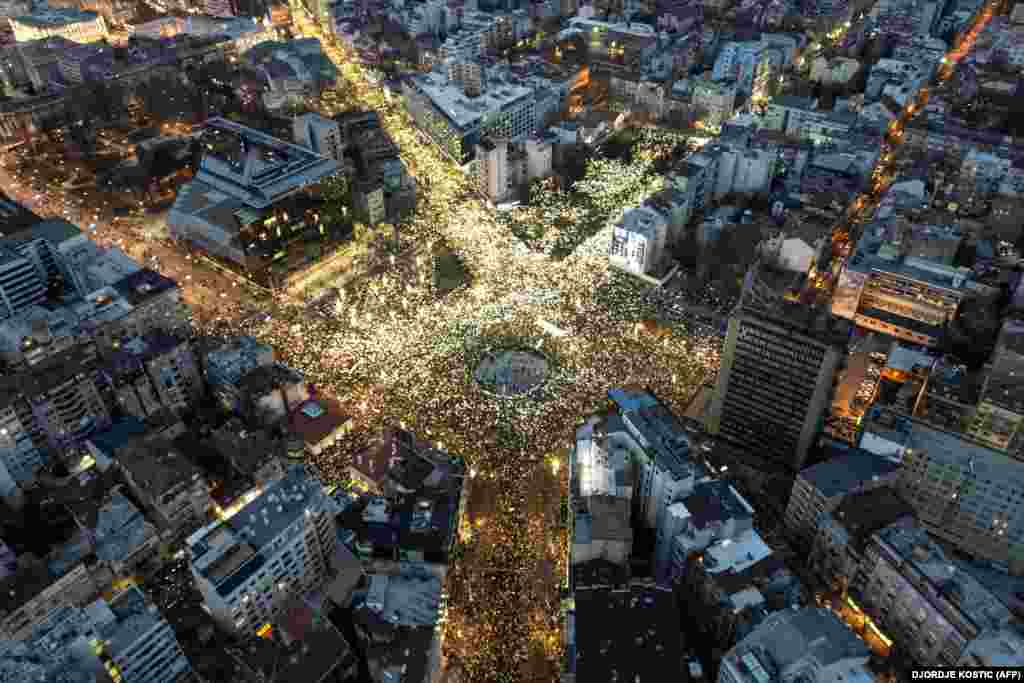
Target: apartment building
965,493
50,407
840,537
156,366
821,488
276,547
811,645
735,584
928,605
225,367
135,643
638,241
664,470
713,512
777,374
32,593
456,122
163,479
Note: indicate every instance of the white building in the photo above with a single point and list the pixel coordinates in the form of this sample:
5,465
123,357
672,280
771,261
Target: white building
638,241
492,169
318,133
276,547
664,471
810,645
714,512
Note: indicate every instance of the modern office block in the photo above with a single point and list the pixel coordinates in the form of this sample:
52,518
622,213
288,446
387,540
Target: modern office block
776,378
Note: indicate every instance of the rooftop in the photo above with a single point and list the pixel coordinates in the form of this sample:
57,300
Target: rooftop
317,420
257,168
735,556
863,514
143,285
847,472
467,112
603,518
914,547
120,529
219,551
657,430
627,634
716,501
30,579
951,450
784,641
157,467
133,617
411,599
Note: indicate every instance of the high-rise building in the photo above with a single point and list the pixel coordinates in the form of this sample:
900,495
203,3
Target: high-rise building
777,373
278,546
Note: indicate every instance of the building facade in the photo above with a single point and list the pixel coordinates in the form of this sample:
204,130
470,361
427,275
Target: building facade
775,384
278,546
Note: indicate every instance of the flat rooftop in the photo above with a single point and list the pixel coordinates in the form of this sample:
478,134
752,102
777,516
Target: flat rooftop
865,513
627,634
847,472
467,112
257,168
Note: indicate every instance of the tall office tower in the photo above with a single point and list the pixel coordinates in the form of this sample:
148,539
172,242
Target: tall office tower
276,547
777,372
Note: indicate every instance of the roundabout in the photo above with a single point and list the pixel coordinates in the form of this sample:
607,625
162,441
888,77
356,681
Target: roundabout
512,372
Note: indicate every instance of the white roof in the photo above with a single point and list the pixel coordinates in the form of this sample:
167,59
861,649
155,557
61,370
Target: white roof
737,555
